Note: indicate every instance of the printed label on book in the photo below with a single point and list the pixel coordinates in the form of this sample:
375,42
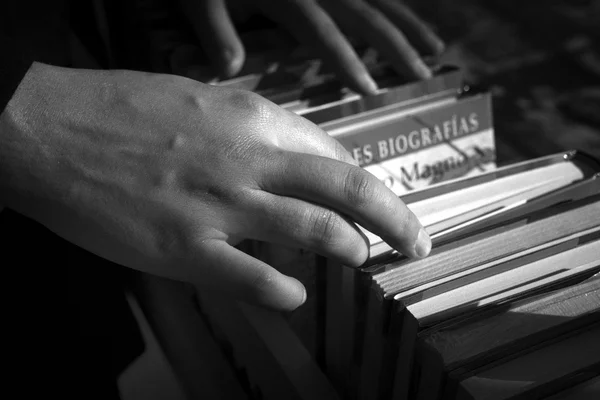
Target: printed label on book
417,151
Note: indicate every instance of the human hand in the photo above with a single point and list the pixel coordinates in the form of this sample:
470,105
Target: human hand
165,175
386,25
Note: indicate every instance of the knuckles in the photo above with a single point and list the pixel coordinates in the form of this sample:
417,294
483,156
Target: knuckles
254,108
243,124
359,188
324,226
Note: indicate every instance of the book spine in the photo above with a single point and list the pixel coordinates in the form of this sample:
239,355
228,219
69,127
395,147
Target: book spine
448,79
404,357
301,265
374,345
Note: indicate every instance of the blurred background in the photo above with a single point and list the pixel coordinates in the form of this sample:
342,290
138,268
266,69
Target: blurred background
541,58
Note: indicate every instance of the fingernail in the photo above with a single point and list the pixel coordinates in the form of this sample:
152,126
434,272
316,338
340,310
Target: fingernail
423,244
422,70
231,62
369,84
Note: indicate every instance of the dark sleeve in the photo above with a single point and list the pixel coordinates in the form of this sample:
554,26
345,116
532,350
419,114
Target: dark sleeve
30,30
14,63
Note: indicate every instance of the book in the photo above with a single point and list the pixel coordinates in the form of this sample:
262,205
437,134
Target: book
536,373
420,315
503,249
359,317
339,104
550,225
587,390
514,326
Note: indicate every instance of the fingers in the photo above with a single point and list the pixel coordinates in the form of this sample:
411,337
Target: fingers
417,32
310,24
354,192
234,272
382,34
216,32
297,223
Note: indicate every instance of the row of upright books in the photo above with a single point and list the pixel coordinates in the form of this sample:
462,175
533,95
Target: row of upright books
507,306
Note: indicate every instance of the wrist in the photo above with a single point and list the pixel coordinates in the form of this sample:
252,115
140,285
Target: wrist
30,143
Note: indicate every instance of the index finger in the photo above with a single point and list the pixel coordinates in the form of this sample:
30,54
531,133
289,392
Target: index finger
352,191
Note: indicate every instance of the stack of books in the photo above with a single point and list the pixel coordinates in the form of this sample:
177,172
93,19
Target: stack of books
508,304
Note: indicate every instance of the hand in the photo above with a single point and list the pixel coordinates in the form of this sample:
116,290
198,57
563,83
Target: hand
164,174
387,25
